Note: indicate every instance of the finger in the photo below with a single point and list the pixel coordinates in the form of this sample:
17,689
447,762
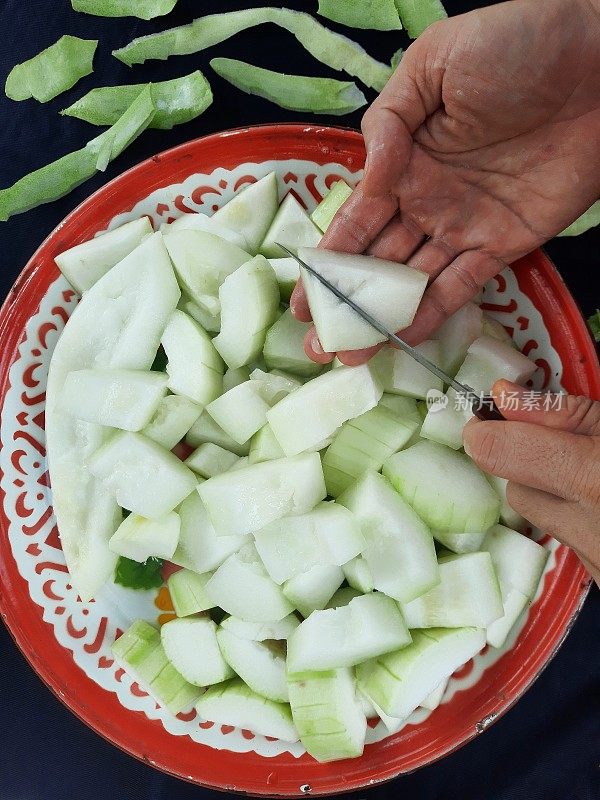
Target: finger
579,415
433,257
558,462
352,358
313,349
397,241
594,571
359,221
299,303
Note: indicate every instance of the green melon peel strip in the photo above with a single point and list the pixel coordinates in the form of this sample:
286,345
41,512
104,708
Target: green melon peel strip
417,15
295,92
53,71
379,15
331,49
143,9
177,101
60,177
587,220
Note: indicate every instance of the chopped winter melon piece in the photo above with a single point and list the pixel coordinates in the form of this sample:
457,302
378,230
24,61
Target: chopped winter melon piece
445,420
191,646
143,477
284,347
205,429
262,631
275,385
234,377
264,446
514,603
457,334
368,626
328,714
187,592
405,408
358,575
291,227
389,291
251,211
432,478
510,517
202,222
242,587
400,552
117,398
433,700
400,374
518,560
234,703
492,327
246,500
313,589
210,322
324,213
261,665
343,596
249,305
139,539
469,542
209,460
316,410
287,272
489,359
171,421
241,411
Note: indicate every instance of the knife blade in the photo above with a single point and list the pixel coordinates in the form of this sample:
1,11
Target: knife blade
483,406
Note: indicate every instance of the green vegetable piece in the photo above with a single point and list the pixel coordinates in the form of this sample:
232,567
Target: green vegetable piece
331,49
378,15
134,575
587,220
324,213
296,92
417,15
143,9
594,325
177,101
61,177
53,71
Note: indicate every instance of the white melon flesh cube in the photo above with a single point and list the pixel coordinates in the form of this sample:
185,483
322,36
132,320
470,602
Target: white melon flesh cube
324,213
249,305
287,272
433,700
245,500
117,398
194,367
368,626
400,374
241,463
143,477
264,446
275,385
205,429
456,335
328,715
312,590
359,575
388,291
202,222
367,706
343,596
234,703
187,592
251,211
284,347
405,408
316,410
510,517
209,460
210,322
444,423
518,560
468,594
469,542
261,631
191,646
139,538
328,535
199,548
242,587
432,478
234,377
492,327
489,359
400,552
291,227
140,652
260,665
240,412
171,421
400,681
84,264
514,603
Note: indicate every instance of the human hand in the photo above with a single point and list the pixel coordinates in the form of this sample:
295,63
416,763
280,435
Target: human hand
481,147
551,459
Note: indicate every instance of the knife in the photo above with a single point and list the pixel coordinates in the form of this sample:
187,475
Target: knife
483,406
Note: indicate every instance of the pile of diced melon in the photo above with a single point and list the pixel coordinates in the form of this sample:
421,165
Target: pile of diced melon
341,555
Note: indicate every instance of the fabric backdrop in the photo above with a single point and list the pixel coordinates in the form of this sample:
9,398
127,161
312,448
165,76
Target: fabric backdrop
548,746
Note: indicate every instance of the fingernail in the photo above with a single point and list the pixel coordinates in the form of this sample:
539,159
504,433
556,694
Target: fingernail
316,346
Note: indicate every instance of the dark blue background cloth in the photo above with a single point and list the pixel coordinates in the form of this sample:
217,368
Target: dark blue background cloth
548,746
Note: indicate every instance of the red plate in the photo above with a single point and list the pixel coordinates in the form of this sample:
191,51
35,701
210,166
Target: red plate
452,724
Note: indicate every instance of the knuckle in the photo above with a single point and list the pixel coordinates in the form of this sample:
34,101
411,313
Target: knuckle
582,415
489,452
466,279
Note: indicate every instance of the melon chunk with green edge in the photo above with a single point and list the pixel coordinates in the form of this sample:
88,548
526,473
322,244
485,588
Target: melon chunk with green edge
202,222
400,374
515,603
209,460
187,592
468,594
287,272
261,665
316,410
199,548
312,590
171,421
489,359
245,500
210,322
399,682
140,653
142,476
251,211
445,420
492,327
191,646
335,198
284,347
249,306
389,291
291,227
405,408
328,714
194,367
518,560
329,535
234,377
510,517
275,385
368,626
358,575
234,703
261,631
432,478
242,587
434,699
139,538
343,596
264,446
469,542
400,552
240,412
205,429
457,334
